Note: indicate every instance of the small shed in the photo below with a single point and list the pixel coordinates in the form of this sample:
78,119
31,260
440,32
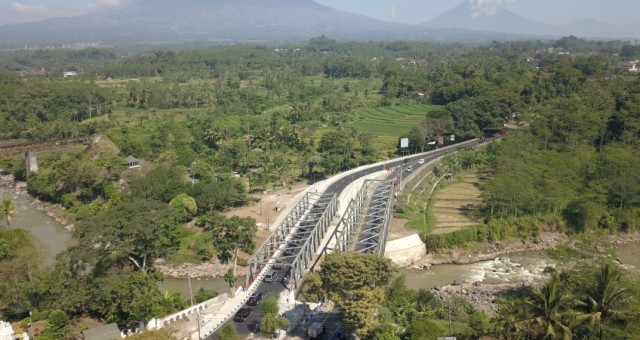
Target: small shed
132,162
106,332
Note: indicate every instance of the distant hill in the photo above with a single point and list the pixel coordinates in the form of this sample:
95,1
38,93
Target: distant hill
157,21
504,21
464,16
154,22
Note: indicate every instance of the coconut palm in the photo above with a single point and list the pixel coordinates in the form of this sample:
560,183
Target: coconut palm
549,312
605,298
7,210
505,320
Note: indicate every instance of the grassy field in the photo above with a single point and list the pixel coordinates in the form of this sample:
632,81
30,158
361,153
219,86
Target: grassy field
390,123
387,124
453,205
414,202
458,205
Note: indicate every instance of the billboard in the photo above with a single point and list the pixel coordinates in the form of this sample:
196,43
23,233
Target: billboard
404,143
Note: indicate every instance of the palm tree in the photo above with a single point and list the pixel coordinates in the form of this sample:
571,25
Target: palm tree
605,298
7,210
505,320
549,311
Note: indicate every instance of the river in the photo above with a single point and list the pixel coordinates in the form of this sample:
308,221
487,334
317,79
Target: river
629,256
512,268
51,234
523,267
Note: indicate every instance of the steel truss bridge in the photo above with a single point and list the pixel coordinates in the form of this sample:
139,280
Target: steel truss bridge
363,228
365,225
296,239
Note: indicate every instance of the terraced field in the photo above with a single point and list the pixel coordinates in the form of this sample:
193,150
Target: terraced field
458,206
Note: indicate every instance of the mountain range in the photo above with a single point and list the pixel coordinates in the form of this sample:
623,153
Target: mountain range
505,21
164,21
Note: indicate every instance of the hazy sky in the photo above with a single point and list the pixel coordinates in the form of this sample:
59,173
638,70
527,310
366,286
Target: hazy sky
407,11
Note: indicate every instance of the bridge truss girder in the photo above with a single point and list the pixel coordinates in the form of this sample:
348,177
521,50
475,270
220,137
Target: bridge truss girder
304,258
365,225
302,230
266,251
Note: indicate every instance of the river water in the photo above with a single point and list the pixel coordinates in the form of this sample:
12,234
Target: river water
629,256
51,234
524,267
182,285
512,268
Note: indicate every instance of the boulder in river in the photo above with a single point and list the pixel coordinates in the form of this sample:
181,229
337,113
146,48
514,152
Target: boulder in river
458,282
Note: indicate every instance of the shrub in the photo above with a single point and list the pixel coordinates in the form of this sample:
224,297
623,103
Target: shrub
494,230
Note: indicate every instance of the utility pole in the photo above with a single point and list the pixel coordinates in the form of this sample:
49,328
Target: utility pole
190,291
449,316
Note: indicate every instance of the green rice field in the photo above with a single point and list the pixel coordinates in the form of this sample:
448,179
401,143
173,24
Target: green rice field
386,124
390,123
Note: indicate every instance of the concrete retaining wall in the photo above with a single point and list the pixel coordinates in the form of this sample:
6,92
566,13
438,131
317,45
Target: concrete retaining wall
406,250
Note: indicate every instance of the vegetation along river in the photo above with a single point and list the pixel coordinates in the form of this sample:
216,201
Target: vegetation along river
512,268
55,238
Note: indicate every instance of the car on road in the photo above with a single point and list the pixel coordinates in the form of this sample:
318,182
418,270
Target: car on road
280,263
255,299
409,168
289,251
242,314
271,276
421,161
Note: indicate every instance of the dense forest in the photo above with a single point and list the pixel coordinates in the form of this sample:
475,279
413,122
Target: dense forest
214,125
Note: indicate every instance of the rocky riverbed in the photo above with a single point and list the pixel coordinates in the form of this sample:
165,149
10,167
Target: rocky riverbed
482,296
211,269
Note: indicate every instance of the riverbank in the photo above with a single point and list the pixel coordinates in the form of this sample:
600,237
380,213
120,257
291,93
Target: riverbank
19,188
491,251
545,241
482,294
